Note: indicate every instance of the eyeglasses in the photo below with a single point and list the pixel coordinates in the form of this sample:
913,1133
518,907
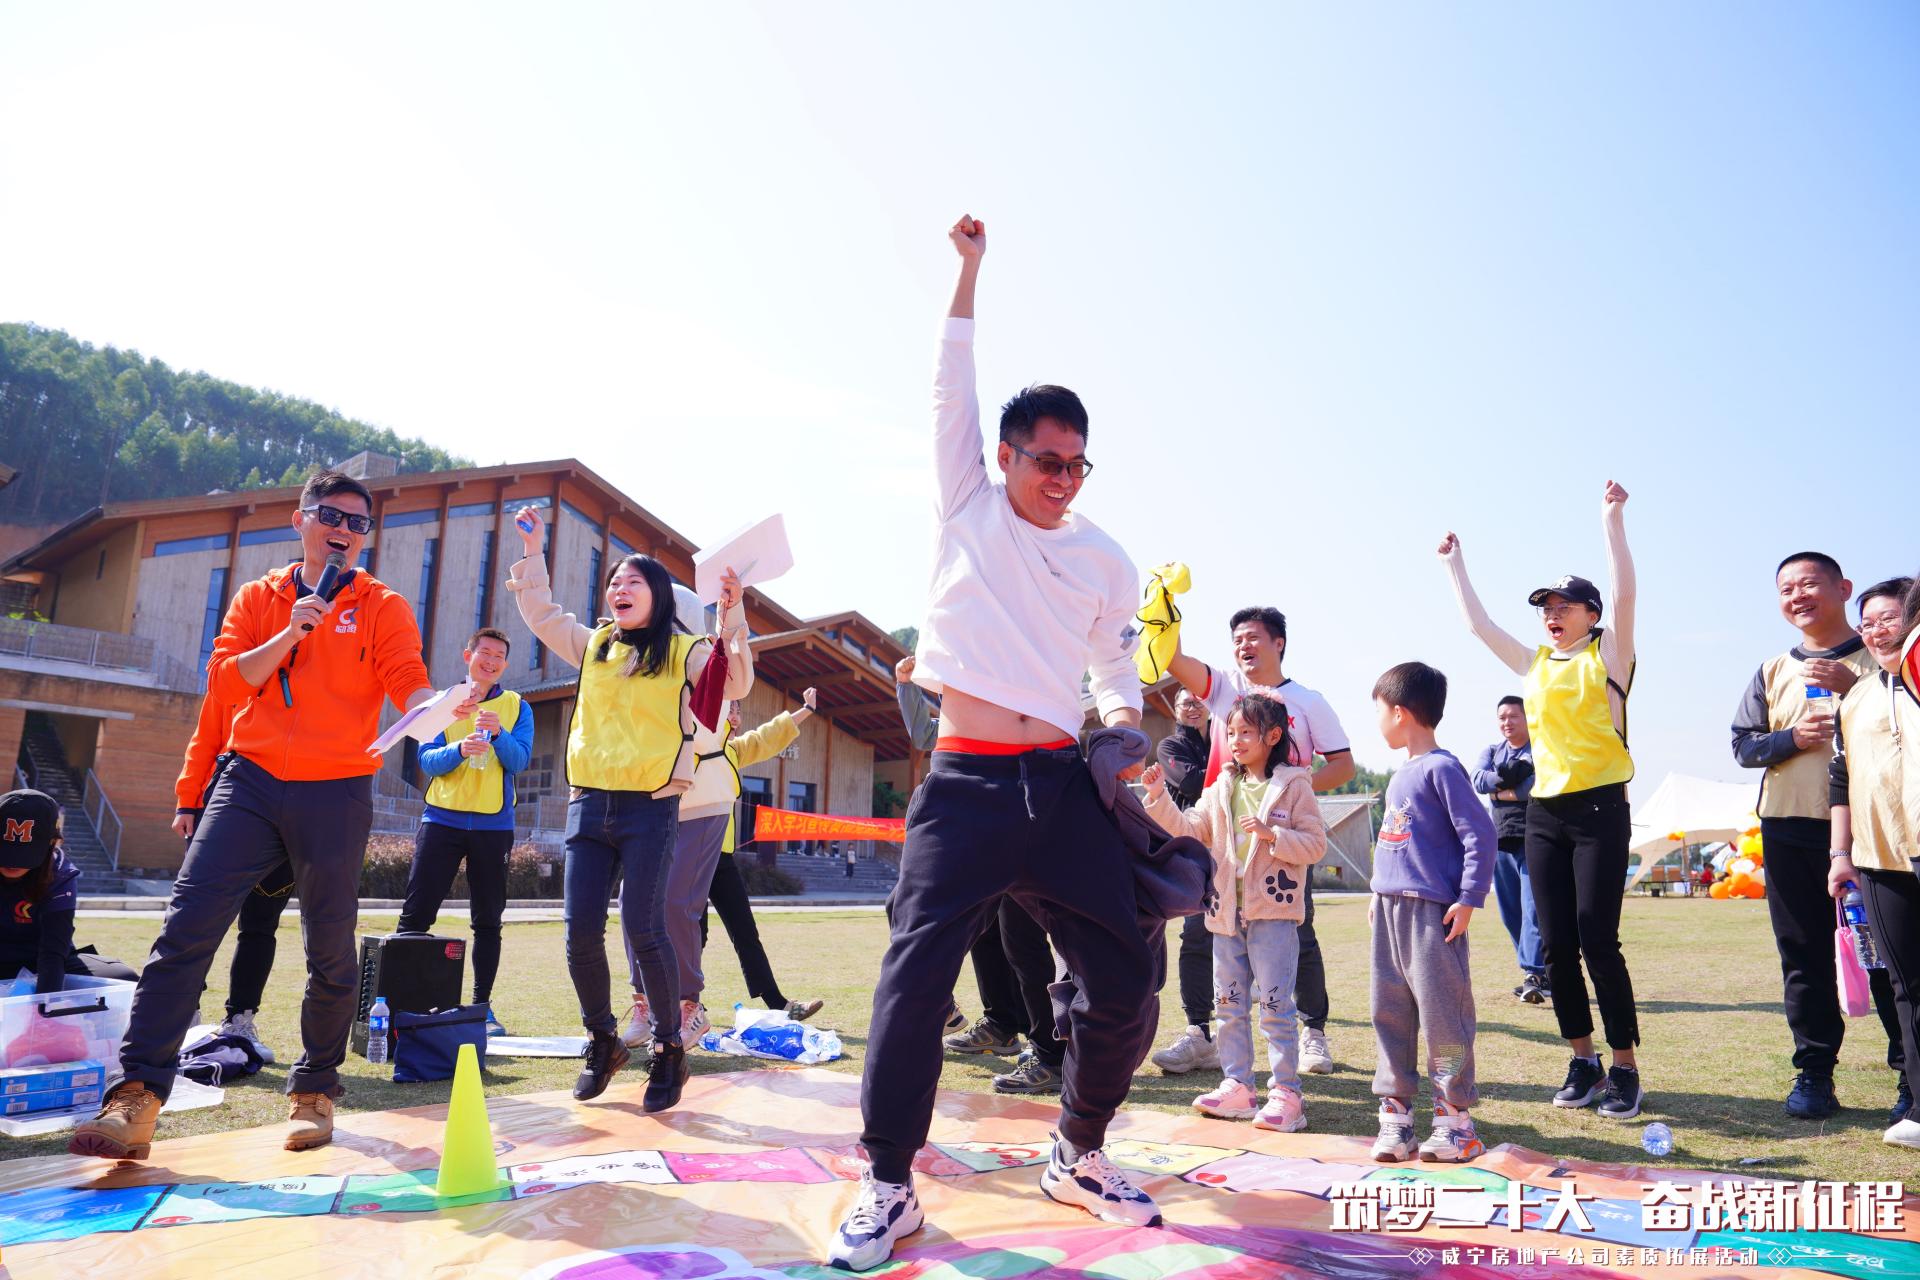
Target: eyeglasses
334,517
1079,468
1886,626
1555,612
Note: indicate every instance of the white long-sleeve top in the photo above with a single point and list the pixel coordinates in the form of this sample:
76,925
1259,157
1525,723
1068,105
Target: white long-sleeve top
1016,614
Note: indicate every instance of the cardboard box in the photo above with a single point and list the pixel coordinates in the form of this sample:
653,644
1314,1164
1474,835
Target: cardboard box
61,1075
50,1100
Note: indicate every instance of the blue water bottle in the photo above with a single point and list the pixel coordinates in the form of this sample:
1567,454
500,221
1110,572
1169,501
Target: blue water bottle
1855,909
1657,1140
377,1020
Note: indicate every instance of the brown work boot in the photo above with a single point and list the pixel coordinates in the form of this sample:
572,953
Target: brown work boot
124,1128
310,1121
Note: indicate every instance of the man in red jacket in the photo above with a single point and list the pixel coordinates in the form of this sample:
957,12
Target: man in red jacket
305,676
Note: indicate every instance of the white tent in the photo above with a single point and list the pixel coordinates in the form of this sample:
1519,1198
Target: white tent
1702,810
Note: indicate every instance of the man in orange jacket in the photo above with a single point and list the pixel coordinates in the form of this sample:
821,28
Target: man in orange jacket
305,676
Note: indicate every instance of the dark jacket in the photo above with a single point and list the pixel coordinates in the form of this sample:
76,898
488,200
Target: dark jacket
1183,757
1504,767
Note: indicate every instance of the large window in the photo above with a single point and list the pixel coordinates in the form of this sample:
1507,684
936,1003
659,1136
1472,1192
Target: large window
595,566
423,611
754,792
800,800
216,611
536,651
484,595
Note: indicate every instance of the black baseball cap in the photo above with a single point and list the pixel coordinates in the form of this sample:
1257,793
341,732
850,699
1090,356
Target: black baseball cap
29,824
1576,589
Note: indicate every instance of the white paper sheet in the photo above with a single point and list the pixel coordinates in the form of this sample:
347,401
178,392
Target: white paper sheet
758,553
536,1046
424,722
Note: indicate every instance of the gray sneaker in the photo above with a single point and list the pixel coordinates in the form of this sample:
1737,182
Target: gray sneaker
984,1037
1191,1051
1029,1075
241,1024
638,1033
1315,1057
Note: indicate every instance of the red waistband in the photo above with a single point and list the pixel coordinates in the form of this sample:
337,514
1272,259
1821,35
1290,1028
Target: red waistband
977,747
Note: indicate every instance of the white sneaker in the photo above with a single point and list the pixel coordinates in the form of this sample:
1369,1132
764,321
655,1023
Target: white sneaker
1904,1134
1191,1051
1230,1100
1315,1057
241,1024
1096,1184
638,1033
1395,1142
882,1214
693,1023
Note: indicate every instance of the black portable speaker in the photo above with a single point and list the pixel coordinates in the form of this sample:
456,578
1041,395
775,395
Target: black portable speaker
416,972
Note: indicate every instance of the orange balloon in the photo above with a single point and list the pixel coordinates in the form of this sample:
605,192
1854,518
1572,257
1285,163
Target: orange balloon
1719,889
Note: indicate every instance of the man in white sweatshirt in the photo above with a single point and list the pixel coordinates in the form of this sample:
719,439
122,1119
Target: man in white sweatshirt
1027,597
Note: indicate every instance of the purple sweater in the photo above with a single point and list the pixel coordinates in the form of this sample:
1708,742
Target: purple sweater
1437,841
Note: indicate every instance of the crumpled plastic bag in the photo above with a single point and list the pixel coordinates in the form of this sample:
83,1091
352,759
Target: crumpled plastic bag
770,1033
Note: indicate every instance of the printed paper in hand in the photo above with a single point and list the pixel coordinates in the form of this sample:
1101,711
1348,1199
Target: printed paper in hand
424,722
758,553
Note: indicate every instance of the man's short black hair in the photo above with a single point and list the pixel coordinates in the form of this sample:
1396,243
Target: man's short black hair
326,482
1266,615
1421,689
1511,700
1892,588
1020,415
1820,558
489,633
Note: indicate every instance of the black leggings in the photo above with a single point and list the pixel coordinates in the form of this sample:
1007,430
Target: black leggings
1577,866
1893,913
253,947
727,893
438,851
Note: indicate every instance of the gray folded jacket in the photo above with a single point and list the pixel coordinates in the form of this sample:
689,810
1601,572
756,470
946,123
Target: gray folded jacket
1171,874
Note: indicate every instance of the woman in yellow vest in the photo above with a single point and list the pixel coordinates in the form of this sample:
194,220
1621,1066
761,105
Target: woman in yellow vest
469,815
1578,823
629,759
1876,825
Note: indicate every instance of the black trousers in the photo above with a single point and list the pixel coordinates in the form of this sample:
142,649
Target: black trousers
1893,913
253,947
1196,971
1577,866
1310,986
438,851
1031,826
1031,961
1803,923
727,893
1000,1001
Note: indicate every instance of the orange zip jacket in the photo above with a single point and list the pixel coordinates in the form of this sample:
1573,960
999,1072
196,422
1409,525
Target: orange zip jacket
316,716
208,741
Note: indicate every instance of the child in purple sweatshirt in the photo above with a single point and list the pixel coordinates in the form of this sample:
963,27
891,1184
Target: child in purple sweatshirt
1432,868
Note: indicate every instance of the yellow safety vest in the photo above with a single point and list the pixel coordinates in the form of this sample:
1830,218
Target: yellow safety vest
626,732
482,790
1575,744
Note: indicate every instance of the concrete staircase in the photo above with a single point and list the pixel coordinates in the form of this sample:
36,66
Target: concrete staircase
826,877
41,750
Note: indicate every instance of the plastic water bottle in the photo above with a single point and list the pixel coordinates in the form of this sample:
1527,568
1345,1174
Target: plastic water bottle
377,1019
479,761
1821,702
1656,1139
1864,946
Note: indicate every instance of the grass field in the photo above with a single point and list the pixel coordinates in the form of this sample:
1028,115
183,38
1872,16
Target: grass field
1715,1058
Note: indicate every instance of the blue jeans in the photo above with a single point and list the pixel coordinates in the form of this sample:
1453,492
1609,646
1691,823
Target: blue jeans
1257,969
632,833
1517,912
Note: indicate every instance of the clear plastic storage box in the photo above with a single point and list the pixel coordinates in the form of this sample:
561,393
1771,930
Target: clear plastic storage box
87,1020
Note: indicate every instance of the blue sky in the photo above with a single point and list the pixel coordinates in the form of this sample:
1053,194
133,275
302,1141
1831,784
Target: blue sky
1331,279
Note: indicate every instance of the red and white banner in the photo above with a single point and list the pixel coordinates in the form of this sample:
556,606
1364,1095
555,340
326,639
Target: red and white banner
772,825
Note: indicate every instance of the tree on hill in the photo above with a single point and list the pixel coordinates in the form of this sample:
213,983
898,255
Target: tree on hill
87,425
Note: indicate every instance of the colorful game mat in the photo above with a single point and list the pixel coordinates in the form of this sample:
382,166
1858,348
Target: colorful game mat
748,1177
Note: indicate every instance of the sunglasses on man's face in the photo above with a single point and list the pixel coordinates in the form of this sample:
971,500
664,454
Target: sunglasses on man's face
1050,466
334,517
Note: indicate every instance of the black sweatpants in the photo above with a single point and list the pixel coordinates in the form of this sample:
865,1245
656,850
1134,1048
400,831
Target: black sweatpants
438,851
1310,984
1196,971
727,894
1893,913
1031,826
254,821
1803,923
254,945
1577,867
1000,1001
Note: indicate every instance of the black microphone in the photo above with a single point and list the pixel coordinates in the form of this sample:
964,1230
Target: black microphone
329,577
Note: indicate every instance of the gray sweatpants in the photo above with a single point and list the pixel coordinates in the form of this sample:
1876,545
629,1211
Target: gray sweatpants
696,852
1421,982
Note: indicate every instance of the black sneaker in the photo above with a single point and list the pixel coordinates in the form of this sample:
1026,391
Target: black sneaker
666,1077
1583,1083
1620,1100
1812,1098
1902,1104
605,1055
1029,1075
1533,990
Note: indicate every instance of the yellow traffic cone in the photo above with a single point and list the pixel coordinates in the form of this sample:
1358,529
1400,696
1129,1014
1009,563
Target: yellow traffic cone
467,1164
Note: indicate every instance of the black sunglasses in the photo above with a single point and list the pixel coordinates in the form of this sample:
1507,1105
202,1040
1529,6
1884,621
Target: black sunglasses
334,517
1078,468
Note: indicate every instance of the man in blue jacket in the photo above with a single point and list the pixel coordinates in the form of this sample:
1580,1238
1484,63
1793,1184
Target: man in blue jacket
469,813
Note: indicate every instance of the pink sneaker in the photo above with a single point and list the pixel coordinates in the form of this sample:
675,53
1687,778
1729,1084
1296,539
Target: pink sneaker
1285,1112
1230,1101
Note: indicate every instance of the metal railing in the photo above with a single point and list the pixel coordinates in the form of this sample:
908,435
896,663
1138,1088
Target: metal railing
108,650
100,812
21,781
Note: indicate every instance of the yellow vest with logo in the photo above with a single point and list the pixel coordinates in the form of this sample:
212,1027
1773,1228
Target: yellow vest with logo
626,732
1797,786
482,790
1575,744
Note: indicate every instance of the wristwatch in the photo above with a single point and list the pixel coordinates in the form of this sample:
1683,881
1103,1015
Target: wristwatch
1839,853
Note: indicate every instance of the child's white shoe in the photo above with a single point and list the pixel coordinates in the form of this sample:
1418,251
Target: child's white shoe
1285,1112
1231,1100
1454,1140
1395,1142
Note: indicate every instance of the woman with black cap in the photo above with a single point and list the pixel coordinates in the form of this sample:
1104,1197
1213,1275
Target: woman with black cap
1578,822
39,890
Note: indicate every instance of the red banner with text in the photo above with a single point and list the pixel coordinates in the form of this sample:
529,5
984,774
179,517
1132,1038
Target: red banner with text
771,825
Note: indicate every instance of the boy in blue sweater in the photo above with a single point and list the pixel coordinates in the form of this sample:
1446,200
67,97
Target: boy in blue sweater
1432,868
469,815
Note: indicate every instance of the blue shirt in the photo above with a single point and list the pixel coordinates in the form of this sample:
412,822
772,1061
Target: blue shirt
514,750
1437,841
